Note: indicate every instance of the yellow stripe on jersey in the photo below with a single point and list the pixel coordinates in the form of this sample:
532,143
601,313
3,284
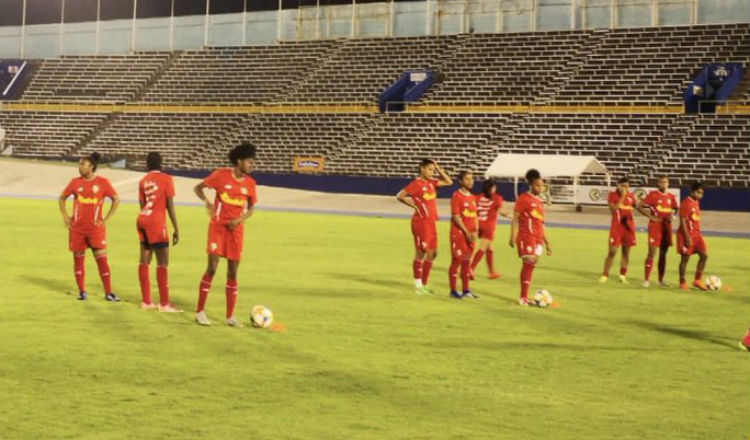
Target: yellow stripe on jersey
429,196
229,200
88,201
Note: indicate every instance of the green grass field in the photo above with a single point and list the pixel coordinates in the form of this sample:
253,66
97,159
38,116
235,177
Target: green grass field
363,357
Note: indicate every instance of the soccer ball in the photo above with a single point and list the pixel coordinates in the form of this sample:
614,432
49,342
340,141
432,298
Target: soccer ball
261,316
713,282
542,298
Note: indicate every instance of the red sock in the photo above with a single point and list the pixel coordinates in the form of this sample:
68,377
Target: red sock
465,268
649,266
746,339
104,274
477,258
623,271
426,267
605,273
491,260
698,276
527,269
79,270
453,273
231,292
416,268
162,278
682,281
143,277
203,290
662,267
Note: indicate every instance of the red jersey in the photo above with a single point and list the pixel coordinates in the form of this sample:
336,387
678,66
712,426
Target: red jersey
530,209
424,194
89,198
464,205
153,191
488,208
233,196
690,213
624,213
662,205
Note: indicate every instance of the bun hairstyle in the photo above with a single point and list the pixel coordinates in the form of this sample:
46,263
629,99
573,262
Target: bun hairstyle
94,159
153,161
245,150
532,175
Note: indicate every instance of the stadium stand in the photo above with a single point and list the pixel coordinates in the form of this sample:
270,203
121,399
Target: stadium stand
48,134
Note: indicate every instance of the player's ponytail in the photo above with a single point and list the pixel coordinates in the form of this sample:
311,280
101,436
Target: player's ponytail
487,187
94,159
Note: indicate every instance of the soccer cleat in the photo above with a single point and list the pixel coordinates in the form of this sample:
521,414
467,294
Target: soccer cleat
623,280
699,284
456,295
647,284
202,319
494,275
169,308
148,306
743,346
524,302
233,322
111,297
427,290
469,294
419,290
83,296
684,286
603,279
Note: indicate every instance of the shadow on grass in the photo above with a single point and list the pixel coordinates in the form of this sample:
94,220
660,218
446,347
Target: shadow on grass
373,281
51,284
684,333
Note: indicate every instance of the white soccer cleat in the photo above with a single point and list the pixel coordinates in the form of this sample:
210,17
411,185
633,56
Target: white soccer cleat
150,306
623,280
603,279
647,284
202,319
233,322
169,308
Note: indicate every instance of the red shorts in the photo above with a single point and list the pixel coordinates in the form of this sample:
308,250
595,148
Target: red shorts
225,242
659,234
487,230
461,248
619,235
529,245
698,247
425,233
150,234
79,241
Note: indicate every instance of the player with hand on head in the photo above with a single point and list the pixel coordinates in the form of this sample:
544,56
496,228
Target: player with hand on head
659,206
527,232
156,198
622,229
87,227
690,239
489,203
234,204
421,196
463,235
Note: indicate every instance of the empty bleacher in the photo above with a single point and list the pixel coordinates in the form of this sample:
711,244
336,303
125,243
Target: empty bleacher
48,134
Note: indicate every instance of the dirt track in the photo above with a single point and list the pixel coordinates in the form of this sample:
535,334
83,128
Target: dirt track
22,178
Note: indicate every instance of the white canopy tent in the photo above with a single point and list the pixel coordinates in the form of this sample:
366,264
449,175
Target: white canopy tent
549,165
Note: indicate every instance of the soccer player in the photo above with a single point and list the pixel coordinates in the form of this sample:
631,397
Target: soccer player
661,206
463,235
420,195
689,238
489,203
87,227
155,195
622,230
527,232
234,204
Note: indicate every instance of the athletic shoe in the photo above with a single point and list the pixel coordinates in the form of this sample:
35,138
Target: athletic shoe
112,297
524,302
456,295
743,346
603,279
684,286
623,280
494,275
232,322
470,294
148,306
202,319
647,284
83,296
419,290
427,290
699,284
169,308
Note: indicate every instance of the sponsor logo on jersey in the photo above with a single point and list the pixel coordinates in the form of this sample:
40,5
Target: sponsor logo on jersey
88,200
229,200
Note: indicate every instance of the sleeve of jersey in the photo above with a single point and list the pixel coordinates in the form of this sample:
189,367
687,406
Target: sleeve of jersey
70,189
412,188
212,181
684,211
170,187
519,208
499,200
649,199
612,198
109,190
455,205
253,196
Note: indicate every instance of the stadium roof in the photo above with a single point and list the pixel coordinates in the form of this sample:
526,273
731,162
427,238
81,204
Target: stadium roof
549,165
